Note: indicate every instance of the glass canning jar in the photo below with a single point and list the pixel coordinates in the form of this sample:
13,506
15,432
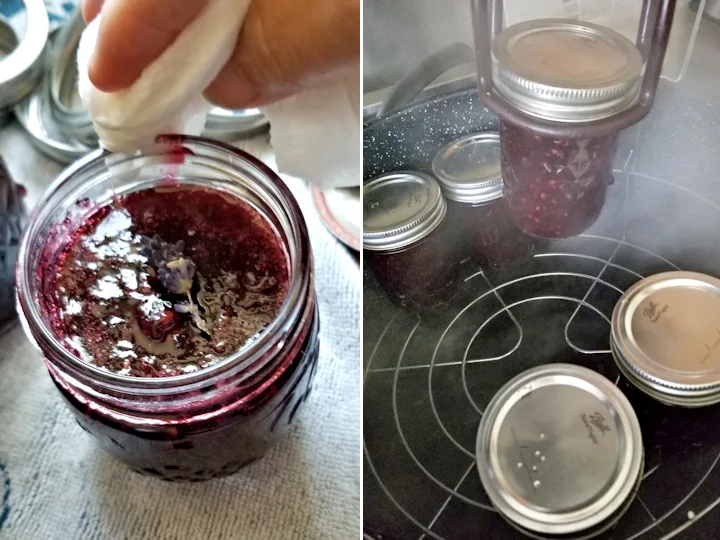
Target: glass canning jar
469,173
562,71
213,421
406,241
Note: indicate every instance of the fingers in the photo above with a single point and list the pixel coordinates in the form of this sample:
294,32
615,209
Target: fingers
91,8
284,44
133,33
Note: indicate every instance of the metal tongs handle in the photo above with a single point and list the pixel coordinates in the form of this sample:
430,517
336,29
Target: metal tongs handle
652,41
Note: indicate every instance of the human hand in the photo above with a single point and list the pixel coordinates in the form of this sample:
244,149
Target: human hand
283,45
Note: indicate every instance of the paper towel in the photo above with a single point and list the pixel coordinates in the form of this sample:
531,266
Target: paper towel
315,134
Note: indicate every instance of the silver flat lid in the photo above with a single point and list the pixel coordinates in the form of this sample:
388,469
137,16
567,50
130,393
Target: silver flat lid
666,330
400,209
469,168
559,449
566,70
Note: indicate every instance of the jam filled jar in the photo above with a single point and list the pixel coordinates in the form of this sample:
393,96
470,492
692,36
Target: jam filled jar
469,173
406,241
171,296
562,71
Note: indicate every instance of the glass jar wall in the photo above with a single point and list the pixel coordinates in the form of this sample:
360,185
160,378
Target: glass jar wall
555,188
205,422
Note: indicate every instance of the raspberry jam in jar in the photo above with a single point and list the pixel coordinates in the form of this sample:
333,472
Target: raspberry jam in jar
171,297
468,170
567,72
555,188
406,242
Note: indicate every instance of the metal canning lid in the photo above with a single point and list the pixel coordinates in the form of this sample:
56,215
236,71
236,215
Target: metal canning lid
559,450
22,68
227,124
688,401
469,170
666,332
400,209
566,70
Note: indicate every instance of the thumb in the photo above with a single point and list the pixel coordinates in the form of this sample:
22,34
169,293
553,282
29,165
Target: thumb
132,34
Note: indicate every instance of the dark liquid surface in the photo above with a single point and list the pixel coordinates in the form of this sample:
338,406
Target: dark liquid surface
166,281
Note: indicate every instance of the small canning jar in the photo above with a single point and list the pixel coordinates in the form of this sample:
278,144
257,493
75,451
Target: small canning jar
209,422
569,72
469,173
406,241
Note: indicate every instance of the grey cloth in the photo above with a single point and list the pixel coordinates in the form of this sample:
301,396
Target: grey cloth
55,483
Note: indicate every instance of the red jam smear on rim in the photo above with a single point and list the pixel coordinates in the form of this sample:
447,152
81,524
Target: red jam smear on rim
555,188
166,281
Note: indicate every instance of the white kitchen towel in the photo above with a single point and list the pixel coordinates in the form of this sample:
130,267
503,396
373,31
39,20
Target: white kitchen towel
56,485
316,134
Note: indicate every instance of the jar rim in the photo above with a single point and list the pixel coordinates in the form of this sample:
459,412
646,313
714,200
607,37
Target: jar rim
271,337
567,93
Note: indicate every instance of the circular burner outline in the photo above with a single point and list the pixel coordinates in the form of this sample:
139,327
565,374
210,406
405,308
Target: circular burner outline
607,264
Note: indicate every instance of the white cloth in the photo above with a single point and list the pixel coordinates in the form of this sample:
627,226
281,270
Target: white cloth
167,98
59,486
316,134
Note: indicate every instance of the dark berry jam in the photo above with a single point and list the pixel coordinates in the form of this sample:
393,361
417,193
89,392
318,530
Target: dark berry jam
554,188
232,430
166,281
491,239
424,276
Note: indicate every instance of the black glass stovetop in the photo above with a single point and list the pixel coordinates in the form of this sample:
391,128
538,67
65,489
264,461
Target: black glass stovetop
427,379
